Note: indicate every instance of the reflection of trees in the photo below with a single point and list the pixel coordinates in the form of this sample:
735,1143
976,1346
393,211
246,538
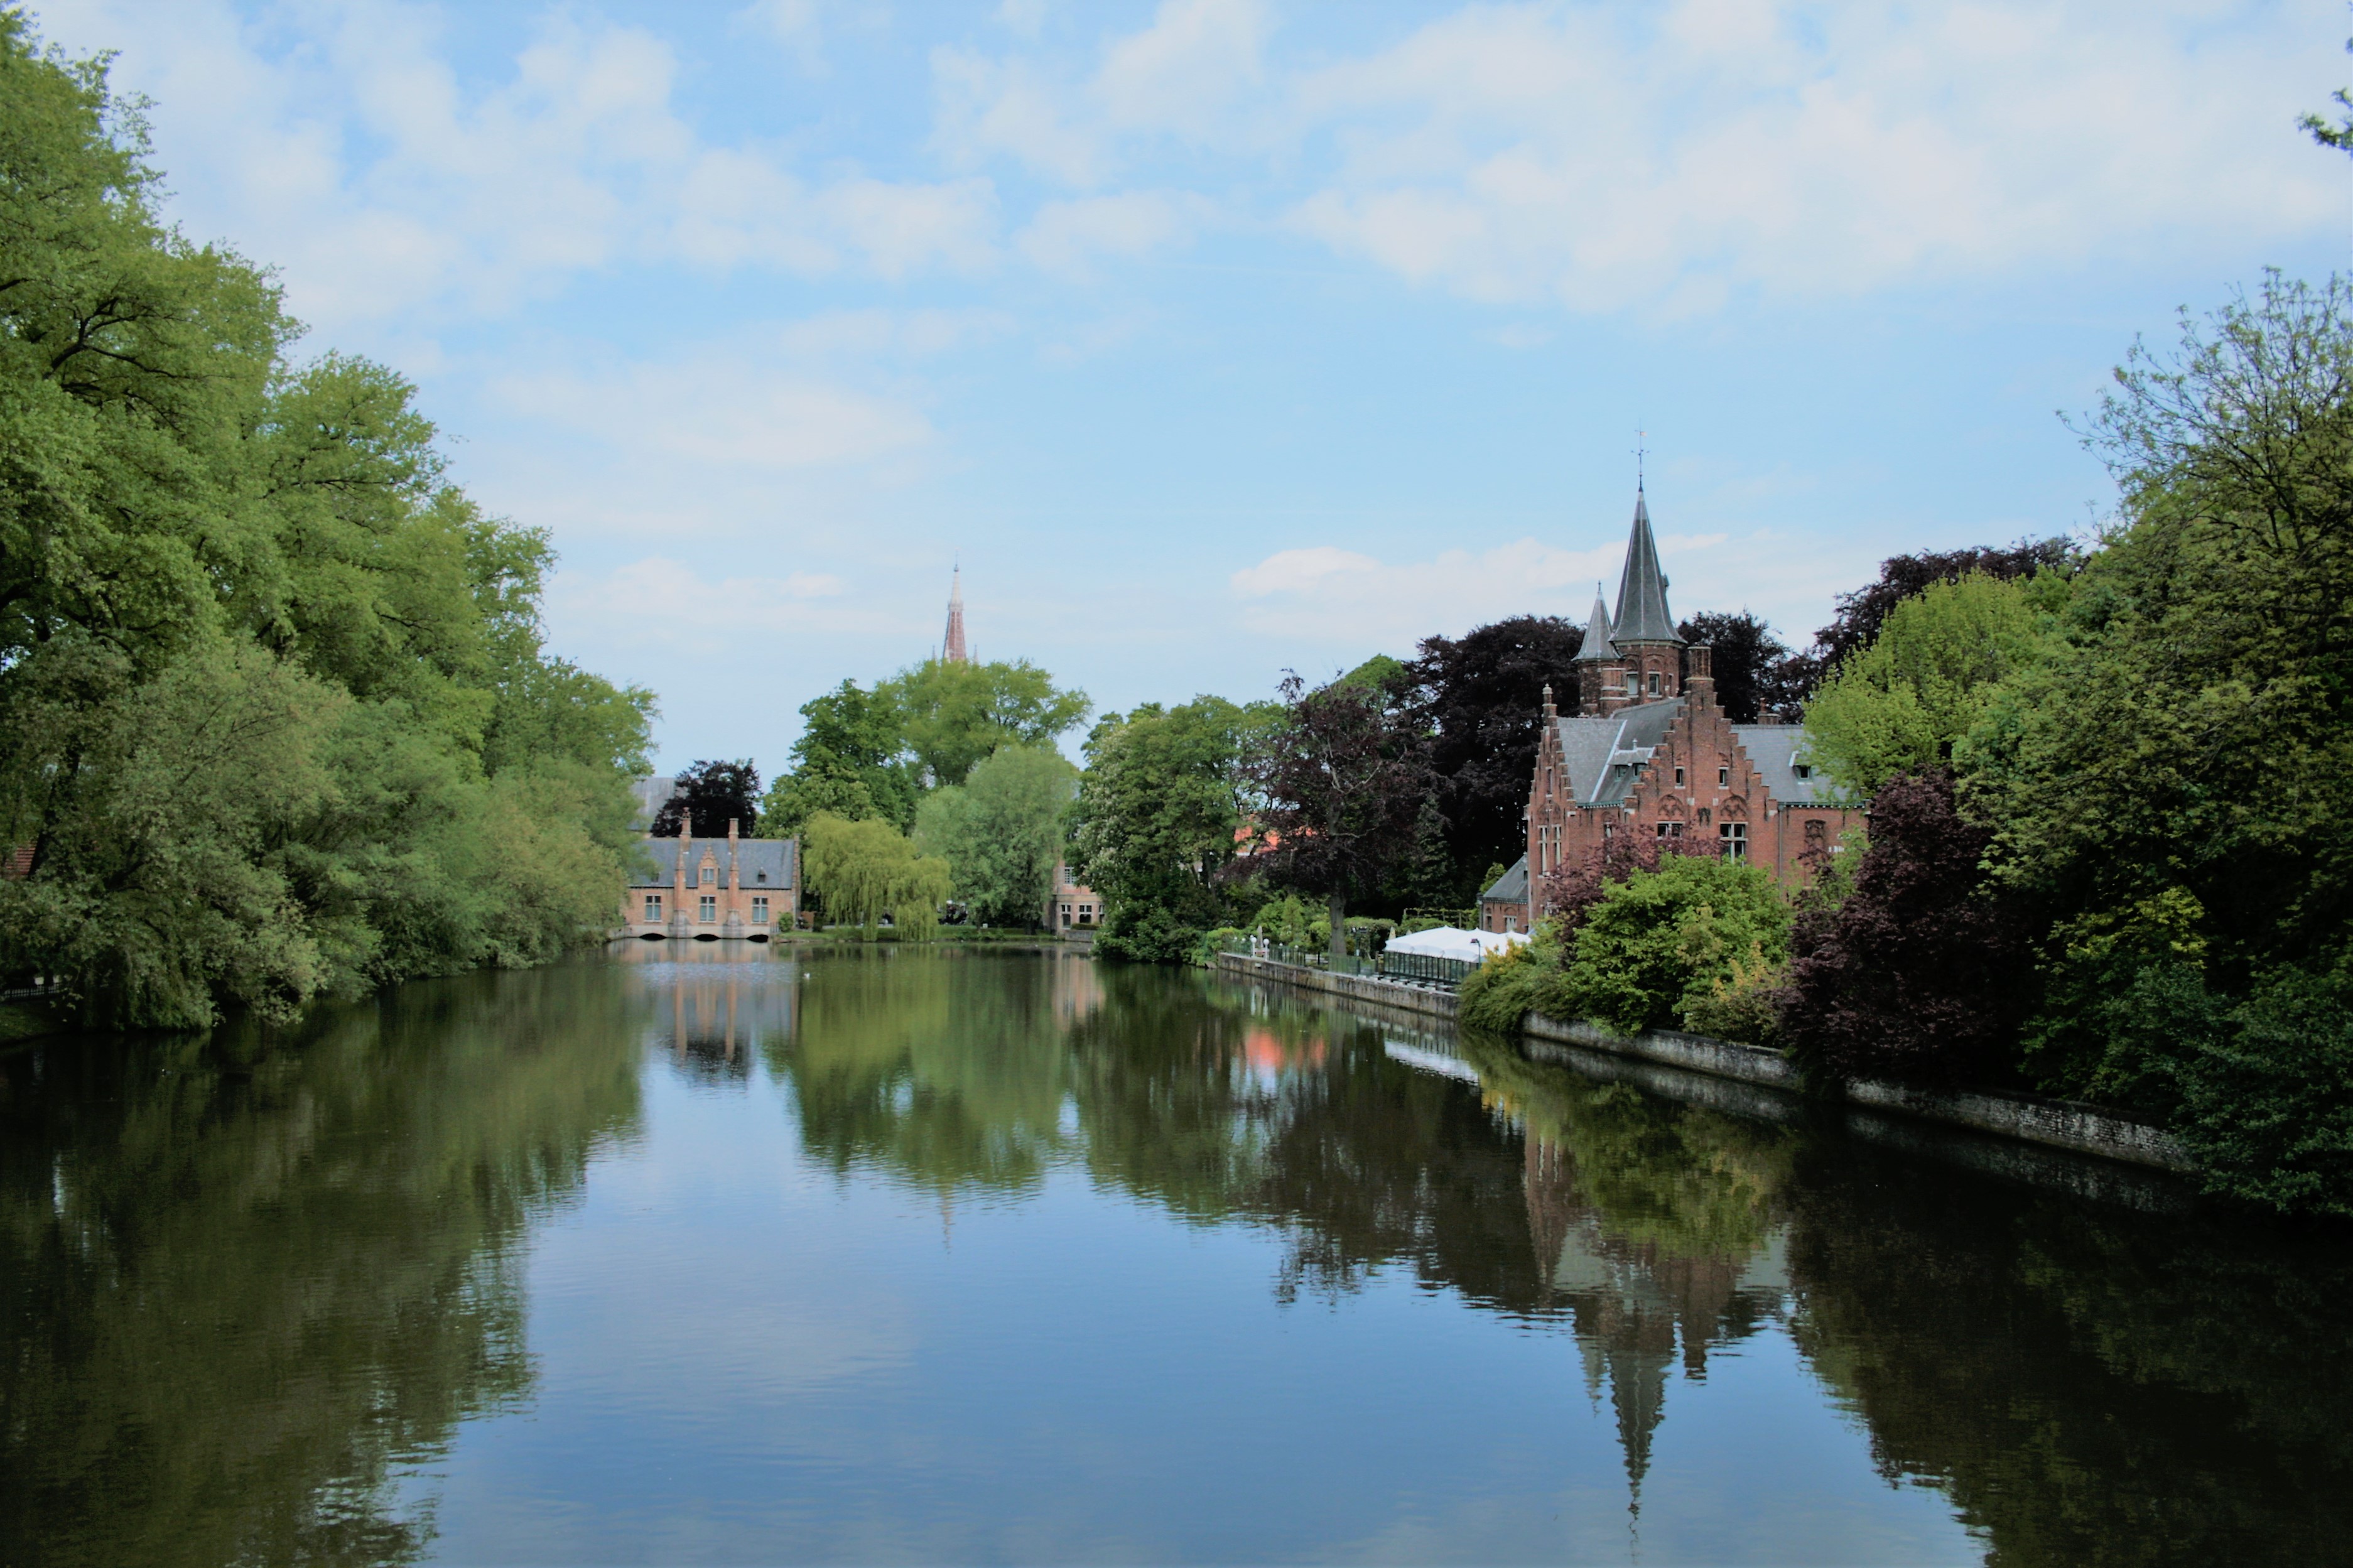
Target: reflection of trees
1652,1226
945,1069
2088,1386
237,1287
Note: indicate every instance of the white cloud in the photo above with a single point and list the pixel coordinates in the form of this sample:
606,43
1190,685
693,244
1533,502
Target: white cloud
720,411
1068,237
342,145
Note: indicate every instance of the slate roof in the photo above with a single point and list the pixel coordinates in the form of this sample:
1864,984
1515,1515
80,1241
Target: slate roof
1597,648
1601,753
1774,749
1642,614
1511,888
767,862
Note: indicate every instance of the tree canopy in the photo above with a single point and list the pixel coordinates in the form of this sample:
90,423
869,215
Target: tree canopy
1002,830
951,713
1485,692
275,715
710,796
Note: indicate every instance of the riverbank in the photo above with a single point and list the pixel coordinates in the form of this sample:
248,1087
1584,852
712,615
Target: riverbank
2076,1128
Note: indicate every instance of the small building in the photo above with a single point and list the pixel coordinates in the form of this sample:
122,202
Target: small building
714,889
1504,906
1070,907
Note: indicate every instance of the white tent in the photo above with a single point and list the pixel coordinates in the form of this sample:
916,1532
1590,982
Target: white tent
1451,941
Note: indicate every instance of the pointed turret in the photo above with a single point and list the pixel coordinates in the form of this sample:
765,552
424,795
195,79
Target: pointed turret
952,650
1642,614
1597,648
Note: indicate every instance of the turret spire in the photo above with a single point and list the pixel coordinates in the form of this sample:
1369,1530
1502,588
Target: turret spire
1642,614
1597,648
952,651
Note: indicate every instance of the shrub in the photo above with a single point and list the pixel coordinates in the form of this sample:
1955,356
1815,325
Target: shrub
1661,940
1920,971
1509,986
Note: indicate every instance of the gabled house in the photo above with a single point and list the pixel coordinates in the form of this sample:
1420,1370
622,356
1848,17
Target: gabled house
714,889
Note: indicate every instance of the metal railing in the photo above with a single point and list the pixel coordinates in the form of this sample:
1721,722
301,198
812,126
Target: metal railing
1406,968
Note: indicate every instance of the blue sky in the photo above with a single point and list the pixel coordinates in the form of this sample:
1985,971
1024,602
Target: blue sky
1216,337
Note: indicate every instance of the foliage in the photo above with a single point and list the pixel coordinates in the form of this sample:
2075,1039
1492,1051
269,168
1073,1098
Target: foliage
1662,941
1483,694
1753,670
951,714
1510,985
1002,831
866,871
1567,892
712,795
2338,136
1158,809
1904,702
275,717
1343,777
849,761
1862,613
1921,970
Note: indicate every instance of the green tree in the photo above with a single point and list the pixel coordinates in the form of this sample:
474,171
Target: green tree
1162,799
1002,830
849,761
866,871
216,562
1905,702
952,713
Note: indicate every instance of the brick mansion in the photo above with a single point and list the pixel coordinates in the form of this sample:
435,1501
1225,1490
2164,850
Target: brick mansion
1651,751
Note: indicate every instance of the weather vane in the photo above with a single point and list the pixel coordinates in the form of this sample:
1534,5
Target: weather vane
1637,457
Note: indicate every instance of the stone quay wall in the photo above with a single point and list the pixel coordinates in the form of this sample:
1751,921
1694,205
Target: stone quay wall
2051,1123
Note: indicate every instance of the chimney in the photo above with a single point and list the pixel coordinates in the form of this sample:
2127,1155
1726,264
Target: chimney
1549,711
731,830
1700,682
732,873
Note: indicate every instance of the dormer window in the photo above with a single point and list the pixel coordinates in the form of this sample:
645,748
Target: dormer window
710,875
1803,770
763,876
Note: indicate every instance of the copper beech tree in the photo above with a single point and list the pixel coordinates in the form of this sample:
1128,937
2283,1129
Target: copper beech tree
1343,779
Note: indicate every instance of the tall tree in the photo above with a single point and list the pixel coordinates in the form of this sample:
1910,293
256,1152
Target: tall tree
850,761
954,713
1750,666
1343,779
864,871
711,794
1861,612
1164,793
1002,830
1484,695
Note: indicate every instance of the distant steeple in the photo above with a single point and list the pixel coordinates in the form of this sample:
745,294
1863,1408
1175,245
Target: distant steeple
1597,648
1642,614
953,651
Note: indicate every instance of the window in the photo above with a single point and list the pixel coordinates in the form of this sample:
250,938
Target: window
763,876
1548,781
1608,828
1735,835
1634,684
710,875
1670,830
1803,770
1654,683
709,911
1086,914
760,911
1679,775
1818,833
1724,775
653,906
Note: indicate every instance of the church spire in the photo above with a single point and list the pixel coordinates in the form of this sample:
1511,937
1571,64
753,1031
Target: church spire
952,651
1642,614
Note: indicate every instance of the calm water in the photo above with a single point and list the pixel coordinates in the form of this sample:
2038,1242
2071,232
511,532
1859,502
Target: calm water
713,1256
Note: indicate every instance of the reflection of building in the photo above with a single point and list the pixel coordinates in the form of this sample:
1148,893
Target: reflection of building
725,1004
1636,1307
714,889
1070,907
1078,989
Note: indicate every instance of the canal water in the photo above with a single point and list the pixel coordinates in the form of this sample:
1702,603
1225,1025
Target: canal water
702,1254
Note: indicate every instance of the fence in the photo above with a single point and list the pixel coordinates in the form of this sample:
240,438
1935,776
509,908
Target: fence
1406,968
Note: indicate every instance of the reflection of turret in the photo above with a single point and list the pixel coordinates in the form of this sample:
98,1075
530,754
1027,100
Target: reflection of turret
1633,1303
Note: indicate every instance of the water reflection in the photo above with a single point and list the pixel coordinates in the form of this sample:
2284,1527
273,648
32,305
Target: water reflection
249,1282
242,1281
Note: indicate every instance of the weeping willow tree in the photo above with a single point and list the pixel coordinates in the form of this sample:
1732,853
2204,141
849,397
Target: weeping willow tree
865,870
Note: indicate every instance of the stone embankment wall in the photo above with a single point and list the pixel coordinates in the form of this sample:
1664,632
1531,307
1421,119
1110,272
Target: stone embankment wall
2051,1123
